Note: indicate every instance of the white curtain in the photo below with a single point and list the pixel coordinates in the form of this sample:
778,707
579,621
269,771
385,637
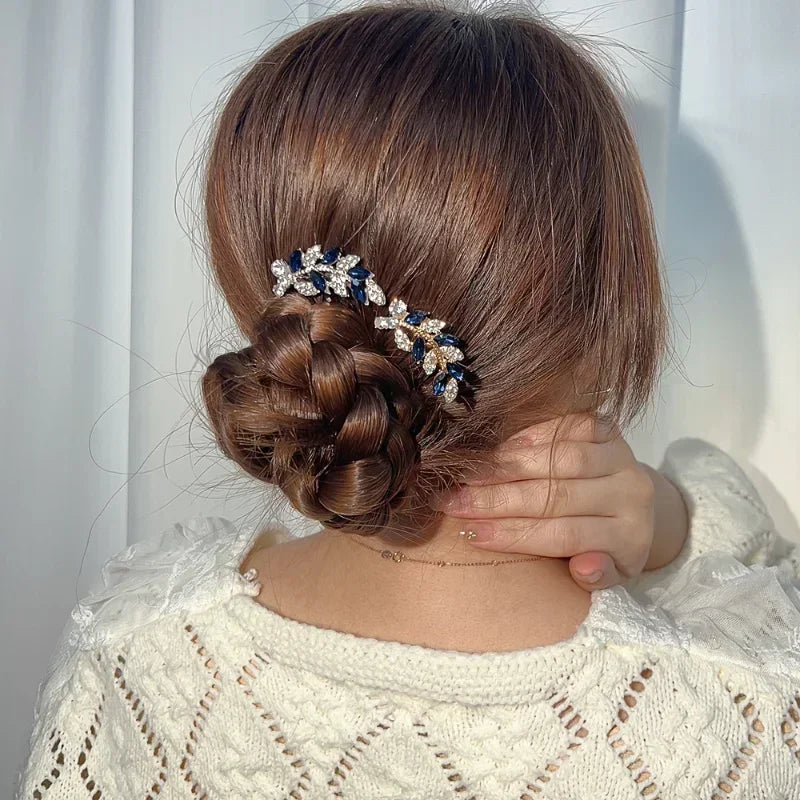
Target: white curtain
107,320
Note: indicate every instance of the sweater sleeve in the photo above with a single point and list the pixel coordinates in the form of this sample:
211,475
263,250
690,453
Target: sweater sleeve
67,717
726,512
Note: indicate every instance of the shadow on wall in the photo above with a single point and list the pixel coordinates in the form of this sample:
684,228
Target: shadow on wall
716,386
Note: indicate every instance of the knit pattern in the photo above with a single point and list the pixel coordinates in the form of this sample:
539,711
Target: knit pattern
231,700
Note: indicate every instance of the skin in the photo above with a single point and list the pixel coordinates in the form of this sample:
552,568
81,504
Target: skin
609,513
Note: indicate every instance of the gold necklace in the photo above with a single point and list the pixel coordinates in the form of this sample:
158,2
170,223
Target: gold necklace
398,558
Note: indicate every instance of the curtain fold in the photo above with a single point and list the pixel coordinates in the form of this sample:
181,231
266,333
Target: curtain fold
108,319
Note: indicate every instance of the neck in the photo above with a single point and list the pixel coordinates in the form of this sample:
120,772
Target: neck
329,580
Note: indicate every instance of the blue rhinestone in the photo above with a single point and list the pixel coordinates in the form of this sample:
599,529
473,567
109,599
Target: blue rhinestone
415,317
359,291
418,350
448,340
317,280
457,371
359,273
330,255
296,260
440,383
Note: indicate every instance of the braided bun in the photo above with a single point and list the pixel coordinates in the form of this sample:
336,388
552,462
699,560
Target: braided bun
314,407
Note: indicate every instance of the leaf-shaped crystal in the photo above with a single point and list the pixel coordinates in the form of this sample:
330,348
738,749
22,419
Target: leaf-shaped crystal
375,293
451,353
450,391
401,339
429,363
397,307
311,256
431,325
346,262
279,268
385,323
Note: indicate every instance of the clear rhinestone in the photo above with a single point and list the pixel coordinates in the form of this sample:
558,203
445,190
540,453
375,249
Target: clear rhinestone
385,323
432,325
451,353
450,391
279,268
401,339
429,363
311,256
375,293
280,287
346,262
338,283
397,307
306,288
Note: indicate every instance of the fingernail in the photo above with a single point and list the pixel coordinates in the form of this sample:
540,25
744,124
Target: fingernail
591,577
473,535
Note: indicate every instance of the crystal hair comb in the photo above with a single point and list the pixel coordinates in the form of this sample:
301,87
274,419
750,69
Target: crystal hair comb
331,273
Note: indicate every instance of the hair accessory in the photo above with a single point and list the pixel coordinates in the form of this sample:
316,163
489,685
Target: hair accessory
420,334
314,272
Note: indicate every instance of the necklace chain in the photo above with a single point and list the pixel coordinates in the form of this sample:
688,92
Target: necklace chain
398,557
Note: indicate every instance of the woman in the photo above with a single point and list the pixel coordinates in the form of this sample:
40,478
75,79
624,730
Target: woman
432,226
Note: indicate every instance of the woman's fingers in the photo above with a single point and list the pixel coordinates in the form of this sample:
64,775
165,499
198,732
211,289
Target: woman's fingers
570,488
578,497
572,427
562,460
561,537
594,571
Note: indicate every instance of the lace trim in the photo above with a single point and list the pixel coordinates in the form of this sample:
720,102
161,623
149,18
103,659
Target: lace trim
192,565
715,606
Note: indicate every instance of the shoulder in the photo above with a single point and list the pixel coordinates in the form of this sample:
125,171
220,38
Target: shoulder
191,565
715,609
725,509
704,473
733,593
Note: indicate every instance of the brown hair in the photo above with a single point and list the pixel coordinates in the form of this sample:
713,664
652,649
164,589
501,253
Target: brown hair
481,165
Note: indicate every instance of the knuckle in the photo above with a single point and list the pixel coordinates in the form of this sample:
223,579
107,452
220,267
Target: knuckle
579,460
524,463
561,494
570,460
583,424
637,485
516,539
567,537
488,499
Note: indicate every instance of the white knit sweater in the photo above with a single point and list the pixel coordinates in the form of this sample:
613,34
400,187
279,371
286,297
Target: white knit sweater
173,682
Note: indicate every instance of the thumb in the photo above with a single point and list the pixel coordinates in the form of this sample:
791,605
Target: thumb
592,571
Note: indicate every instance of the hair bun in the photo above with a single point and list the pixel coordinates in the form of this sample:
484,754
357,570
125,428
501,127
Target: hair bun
313,407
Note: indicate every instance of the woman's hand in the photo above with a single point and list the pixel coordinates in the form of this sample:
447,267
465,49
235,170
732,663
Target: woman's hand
612,516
